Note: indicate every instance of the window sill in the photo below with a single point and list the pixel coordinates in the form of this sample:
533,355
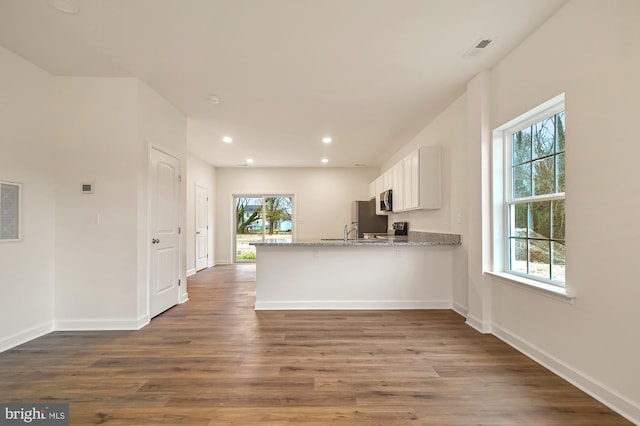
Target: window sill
548,290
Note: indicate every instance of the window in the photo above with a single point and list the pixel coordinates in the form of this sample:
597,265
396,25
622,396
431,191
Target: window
261,218
534,195
10,226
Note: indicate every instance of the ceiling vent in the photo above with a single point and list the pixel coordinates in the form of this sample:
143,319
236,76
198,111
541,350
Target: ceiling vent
478,48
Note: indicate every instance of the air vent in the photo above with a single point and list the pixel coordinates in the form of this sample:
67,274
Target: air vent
479,47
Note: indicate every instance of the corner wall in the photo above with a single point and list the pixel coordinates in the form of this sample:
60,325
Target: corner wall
450,132
588,50
96,141
26,148
202,174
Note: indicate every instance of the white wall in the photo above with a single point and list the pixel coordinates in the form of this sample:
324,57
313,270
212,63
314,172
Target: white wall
590,51
450,132
202,174
83,261
96,134
26,267
323,199
160,125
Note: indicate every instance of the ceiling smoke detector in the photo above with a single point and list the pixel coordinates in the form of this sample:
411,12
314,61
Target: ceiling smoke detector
479,47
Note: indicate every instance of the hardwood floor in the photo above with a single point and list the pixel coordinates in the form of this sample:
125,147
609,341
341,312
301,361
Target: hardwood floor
214,361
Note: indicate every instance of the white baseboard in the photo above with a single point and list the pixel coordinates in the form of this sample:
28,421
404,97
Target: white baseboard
223,262
622,405
101,324
462,310
24,336
352,305
191,272
478,325
211,264
184,297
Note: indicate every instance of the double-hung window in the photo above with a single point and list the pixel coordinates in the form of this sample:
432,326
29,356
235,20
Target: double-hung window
534,196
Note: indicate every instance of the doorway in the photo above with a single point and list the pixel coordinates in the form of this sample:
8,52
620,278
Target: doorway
261,218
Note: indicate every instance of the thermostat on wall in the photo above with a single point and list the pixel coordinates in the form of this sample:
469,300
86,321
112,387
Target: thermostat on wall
87,188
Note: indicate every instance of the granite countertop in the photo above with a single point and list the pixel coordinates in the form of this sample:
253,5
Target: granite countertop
415,238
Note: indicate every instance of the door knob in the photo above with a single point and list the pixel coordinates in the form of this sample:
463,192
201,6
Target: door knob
155,241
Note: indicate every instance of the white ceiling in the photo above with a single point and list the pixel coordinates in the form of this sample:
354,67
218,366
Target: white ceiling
368,73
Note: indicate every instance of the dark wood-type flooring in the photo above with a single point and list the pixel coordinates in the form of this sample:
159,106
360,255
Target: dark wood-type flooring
215,361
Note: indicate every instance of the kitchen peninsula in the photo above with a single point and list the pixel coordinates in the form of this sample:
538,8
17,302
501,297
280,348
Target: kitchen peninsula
413,272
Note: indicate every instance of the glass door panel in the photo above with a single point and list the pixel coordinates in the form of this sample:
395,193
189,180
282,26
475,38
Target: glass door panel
261,218
249,227
277,218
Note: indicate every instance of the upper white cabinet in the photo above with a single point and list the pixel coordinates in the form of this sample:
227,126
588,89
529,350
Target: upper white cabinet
397,186
372,190
416,181
382,183
422,179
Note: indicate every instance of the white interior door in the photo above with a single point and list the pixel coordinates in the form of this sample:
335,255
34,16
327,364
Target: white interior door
202,227
164,221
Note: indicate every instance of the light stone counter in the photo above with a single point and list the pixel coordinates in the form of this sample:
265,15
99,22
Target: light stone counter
416,238
402,273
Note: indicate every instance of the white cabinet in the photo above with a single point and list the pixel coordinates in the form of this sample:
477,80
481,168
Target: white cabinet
397,186
416,181
422,179
379,189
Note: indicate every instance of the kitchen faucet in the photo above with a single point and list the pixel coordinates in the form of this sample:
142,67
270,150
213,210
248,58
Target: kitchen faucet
347,231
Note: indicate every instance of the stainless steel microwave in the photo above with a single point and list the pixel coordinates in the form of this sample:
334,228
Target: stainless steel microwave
386,204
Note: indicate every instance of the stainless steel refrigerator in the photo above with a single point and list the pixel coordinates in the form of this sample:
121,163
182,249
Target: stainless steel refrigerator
363,215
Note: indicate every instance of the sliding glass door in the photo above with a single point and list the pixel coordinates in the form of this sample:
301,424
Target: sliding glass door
260,218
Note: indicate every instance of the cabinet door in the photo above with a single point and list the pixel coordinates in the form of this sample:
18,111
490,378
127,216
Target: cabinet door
396,187
415,180
411,181
379,189
387,178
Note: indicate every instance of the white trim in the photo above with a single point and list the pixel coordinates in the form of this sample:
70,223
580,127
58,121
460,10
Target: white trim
478,325
619,403
102,324
184,297
191,272
222,262
534,286
352,305
25,336
501,193
462,310
211,264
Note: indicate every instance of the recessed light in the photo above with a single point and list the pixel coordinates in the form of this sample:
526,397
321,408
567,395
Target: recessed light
249,160
325,160
65,6
214,99
326,140
227,139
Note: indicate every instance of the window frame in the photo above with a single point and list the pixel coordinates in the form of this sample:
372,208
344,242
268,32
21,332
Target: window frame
20,209
503,182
